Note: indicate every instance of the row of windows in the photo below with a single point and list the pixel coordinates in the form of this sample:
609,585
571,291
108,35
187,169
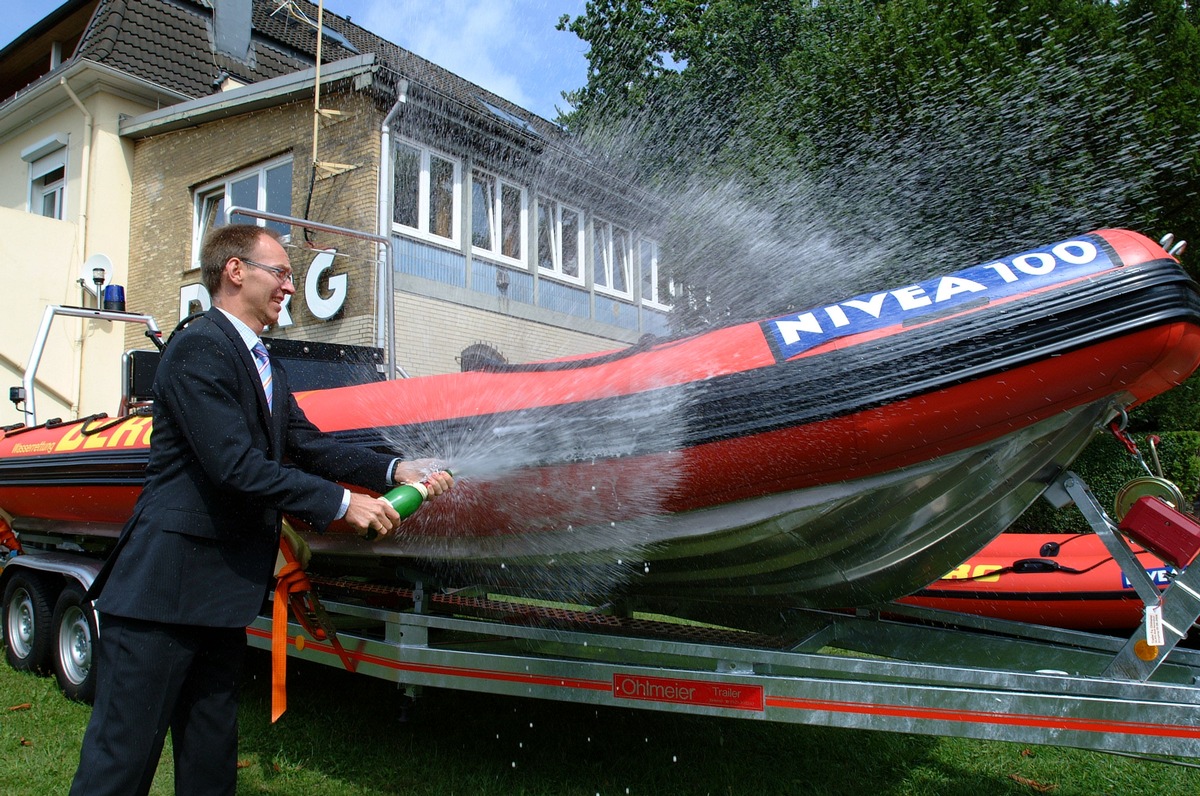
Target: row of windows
428,187
428,191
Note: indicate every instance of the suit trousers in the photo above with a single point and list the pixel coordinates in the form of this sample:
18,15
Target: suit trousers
154,677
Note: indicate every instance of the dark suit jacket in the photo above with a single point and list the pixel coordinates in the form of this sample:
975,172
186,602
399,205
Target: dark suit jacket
200,547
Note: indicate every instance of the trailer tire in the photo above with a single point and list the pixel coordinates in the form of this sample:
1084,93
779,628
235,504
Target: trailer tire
27,625
75,639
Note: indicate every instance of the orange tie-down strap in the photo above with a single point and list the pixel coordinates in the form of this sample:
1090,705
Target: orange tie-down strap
293,588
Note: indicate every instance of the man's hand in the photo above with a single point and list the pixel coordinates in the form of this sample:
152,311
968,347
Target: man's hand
430,472
369,516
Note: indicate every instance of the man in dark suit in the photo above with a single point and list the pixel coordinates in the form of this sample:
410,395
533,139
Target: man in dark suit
193,564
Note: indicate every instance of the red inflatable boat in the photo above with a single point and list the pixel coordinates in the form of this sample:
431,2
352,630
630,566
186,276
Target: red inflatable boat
1061,580
844,455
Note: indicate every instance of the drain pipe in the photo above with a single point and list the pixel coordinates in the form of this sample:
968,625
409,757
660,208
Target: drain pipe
385,291
84,188
85,172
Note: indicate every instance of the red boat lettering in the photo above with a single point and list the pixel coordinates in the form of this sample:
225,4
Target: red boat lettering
689,692
134,432
794,334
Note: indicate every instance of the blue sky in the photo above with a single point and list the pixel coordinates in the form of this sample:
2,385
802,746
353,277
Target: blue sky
509,47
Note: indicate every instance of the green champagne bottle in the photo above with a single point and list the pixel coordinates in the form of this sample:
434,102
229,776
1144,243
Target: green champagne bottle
407,498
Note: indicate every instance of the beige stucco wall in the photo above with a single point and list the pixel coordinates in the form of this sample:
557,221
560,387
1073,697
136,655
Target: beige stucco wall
41,259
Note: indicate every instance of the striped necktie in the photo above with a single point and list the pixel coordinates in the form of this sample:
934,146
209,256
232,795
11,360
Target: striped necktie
264,369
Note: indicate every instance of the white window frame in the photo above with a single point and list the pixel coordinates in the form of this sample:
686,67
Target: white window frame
220,193
495,210
555,231
605,258
39,191
650,247
45,157
424,196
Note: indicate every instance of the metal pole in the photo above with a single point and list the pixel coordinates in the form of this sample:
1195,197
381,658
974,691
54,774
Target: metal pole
39,343
382,240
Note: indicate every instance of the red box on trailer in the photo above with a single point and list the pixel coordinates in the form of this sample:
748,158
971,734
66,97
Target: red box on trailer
1168,533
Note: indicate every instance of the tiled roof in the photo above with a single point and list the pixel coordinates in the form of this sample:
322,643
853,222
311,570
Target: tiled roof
169,42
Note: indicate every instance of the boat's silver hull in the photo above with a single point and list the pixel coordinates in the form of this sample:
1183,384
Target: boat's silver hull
840,544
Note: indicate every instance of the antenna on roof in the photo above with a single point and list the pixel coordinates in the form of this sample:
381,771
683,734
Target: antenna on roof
293,10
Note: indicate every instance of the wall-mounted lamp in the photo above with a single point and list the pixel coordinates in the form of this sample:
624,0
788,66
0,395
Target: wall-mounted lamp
94,273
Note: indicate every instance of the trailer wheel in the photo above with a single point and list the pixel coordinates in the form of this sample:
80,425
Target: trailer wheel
26,623
75,633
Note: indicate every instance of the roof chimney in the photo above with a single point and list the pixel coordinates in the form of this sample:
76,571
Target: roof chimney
231,28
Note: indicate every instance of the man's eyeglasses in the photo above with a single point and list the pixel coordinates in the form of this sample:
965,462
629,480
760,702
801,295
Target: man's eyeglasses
284,275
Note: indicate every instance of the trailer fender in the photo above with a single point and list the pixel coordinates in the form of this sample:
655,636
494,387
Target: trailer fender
70,566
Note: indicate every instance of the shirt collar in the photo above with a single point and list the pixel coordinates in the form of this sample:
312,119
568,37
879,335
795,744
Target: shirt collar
245,332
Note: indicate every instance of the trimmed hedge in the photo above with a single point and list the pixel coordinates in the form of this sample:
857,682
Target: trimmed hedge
1106,466
1177,409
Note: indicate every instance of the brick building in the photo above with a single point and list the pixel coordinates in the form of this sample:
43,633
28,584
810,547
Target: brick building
499,232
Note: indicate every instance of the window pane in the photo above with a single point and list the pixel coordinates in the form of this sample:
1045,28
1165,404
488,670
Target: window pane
50,204
47,191
648,271
570,243
279,196
441,197
244,193
483,212
510,221
600,253
406,185
621,257
545,246
212,212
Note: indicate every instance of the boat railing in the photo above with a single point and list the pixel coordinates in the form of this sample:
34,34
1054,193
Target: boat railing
27,393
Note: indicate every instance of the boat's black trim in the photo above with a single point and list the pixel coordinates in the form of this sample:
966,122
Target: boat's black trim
921,360
1041,596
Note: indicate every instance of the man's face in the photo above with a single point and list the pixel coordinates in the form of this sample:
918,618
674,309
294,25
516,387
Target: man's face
263,289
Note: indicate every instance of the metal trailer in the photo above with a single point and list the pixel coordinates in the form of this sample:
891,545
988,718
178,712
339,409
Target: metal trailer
895,668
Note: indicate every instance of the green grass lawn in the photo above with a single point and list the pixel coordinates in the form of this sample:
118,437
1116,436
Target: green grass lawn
345,734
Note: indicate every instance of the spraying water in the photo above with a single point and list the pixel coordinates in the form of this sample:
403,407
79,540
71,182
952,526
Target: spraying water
553,502
956,176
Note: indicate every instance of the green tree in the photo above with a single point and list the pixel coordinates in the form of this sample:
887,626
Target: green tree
813,150
895,136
